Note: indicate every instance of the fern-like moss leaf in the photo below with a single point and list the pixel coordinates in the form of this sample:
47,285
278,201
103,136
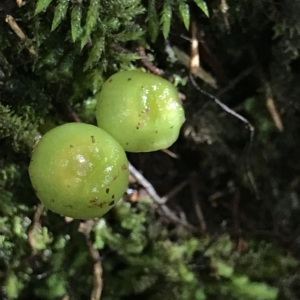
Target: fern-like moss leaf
153,20
203,6
41,5
95,53
76,16
91,21
166,18
59,13
184,10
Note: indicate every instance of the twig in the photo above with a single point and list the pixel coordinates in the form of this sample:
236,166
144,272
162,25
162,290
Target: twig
245,121
184,59
170,153
175,191
18,31
198,209
235,210
243,218
209,58
240,244
195,57
151,190
176,219
147,64
268,95
146,184
235,81
224,9
272,108
85,228
98,281
182,97
15,27
157,199
19,3
35,223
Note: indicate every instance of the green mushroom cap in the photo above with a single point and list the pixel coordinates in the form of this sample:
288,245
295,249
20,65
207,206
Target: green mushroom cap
78,170
141,111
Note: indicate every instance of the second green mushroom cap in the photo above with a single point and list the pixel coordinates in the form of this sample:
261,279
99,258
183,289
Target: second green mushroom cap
141,111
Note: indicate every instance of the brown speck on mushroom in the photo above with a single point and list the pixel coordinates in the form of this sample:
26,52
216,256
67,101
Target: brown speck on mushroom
93,139
94,200
124,167
113,197
171,127
71,146
138,125
111,203
129,79
156,131
68,206
110,80
107,191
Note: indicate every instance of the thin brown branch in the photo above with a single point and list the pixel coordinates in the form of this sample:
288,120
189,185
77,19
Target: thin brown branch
15,27
34,225
235,210
224,9
172,216
197,204
210,59
184,59
235,81
74,117
243,218
151,190
19,3
175,191
195,57
157,199
272,108
97,273
170,153
147,64
270,103
146,184
85,228
240,244
18,31
251,129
